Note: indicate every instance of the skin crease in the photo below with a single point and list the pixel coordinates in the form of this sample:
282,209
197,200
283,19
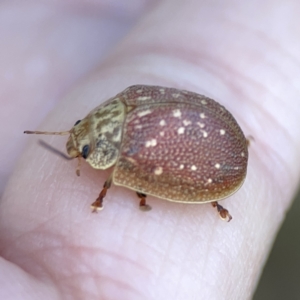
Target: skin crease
51,246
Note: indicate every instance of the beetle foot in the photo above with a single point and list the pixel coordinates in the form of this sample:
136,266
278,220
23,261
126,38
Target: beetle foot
97,205
143,205
223,212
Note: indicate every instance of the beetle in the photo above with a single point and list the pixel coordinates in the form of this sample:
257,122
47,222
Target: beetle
169,143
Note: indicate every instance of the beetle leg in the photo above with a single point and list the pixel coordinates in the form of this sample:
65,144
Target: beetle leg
98,204
223,212
143,205
78,166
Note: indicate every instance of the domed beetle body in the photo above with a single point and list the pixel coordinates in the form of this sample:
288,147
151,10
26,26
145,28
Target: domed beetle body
173,144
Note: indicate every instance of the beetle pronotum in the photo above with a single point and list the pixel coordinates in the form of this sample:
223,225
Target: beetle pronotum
173,144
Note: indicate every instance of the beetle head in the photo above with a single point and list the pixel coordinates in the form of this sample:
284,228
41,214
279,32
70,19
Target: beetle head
97,137
79,143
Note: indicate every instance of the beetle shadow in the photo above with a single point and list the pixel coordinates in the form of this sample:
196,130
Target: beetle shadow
54,150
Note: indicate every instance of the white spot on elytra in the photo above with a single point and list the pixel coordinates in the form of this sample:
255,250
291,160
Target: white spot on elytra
176,95
242,154
222,131
162,91
205,134
202,116
217,166
162,123
138,126
144,112
201,125
151,143
180,130
181,167
158,171
139,91
193,168
177,113
186,122
203,102
143,98
209,180
161,133
133,161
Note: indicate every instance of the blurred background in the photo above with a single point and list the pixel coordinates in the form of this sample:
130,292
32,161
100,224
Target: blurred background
281,276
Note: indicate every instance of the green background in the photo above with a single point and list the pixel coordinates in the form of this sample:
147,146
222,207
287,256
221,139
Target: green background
281,276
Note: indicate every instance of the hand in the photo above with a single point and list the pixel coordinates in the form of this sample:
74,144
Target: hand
58,63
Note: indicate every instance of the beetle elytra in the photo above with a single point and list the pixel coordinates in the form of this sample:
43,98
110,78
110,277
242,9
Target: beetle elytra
173,144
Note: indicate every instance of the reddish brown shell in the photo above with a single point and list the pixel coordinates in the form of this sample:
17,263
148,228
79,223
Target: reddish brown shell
179,146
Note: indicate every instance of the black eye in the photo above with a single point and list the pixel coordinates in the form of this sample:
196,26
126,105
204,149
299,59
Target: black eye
77,122
85,151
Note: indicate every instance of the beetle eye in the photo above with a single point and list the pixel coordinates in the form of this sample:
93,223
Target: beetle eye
77,122
85,151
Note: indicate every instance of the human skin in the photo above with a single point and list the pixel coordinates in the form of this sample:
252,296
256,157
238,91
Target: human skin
58,63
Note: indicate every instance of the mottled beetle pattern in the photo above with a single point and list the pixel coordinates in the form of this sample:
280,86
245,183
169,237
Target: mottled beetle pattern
164,142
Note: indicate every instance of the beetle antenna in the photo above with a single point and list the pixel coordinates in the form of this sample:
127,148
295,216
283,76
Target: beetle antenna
47,132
